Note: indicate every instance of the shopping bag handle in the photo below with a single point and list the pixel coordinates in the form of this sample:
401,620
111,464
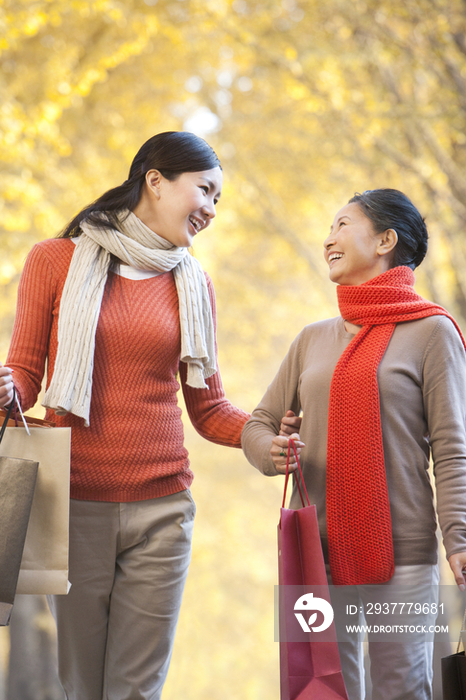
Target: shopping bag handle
8,414
287,476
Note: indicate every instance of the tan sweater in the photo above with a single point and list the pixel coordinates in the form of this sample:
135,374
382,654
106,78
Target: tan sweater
422,386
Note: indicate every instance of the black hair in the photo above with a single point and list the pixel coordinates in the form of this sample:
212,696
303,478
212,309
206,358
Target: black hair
171,152
387,208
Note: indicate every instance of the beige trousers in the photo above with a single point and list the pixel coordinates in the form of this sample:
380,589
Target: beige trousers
399,670
128,566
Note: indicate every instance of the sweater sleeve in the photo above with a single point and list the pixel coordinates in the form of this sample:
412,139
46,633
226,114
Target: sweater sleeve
281,396
444,392
31,331
210,412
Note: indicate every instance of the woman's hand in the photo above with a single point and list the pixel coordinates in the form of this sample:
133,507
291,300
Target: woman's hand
458,566
6,386
291,423
279,452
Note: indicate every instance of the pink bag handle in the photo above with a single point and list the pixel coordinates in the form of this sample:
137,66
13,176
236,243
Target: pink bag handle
287,476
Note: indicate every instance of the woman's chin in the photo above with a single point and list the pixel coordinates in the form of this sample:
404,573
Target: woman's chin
335,277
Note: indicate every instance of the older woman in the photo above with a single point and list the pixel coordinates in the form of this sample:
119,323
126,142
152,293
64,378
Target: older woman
381,388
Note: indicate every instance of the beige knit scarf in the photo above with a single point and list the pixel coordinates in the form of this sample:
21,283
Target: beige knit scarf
137,245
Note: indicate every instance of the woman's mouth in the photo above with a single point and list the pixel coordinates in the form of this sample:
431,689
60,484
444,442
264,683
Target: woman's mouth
196,224
334,256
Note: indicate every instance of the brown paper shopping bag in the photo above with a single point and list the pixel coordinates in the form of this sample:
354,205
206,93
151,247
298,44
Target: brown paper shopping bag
44,565
17,482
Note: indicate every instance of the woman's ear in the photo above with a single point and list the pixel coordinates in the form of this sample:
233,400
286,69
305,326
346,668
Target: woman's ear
154,181
387,241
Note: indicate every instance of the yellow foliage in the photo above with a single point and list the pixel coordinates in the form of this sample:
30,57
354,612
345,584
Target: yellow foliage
311,101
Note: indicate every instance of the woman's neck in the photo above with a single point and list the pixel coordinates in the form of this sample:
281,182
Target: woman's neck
351,328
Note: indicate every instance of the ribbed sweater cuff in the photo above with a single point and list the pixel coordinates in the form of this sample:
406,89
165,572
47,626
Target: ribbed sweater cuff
162,487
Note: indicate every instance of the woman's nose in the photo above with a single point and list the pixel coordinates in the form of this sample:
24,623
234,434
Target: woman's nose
329,241
209,210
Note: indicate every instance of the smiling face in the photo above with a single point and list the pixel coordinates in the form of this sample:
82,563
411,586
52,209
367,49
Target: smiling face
354,252
179,209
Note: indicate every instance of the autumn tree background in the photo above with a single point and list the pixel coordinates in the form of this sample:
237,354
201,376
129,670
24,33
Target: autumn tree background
305,102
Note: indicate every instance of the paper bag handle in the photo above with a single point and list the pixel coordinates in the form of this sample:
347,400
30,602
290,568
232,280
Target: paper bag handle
14,406
287,476
8,414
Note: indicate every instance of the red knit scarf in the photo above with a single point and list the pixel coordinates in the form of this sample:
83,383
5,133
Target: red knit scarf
358,509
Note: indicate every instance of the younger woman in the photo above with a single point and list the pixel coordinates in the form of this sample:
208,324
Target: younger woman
118,309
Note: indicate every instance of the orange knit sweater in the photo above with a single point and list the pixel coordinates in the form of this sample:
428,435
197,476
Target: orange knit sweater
133,449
